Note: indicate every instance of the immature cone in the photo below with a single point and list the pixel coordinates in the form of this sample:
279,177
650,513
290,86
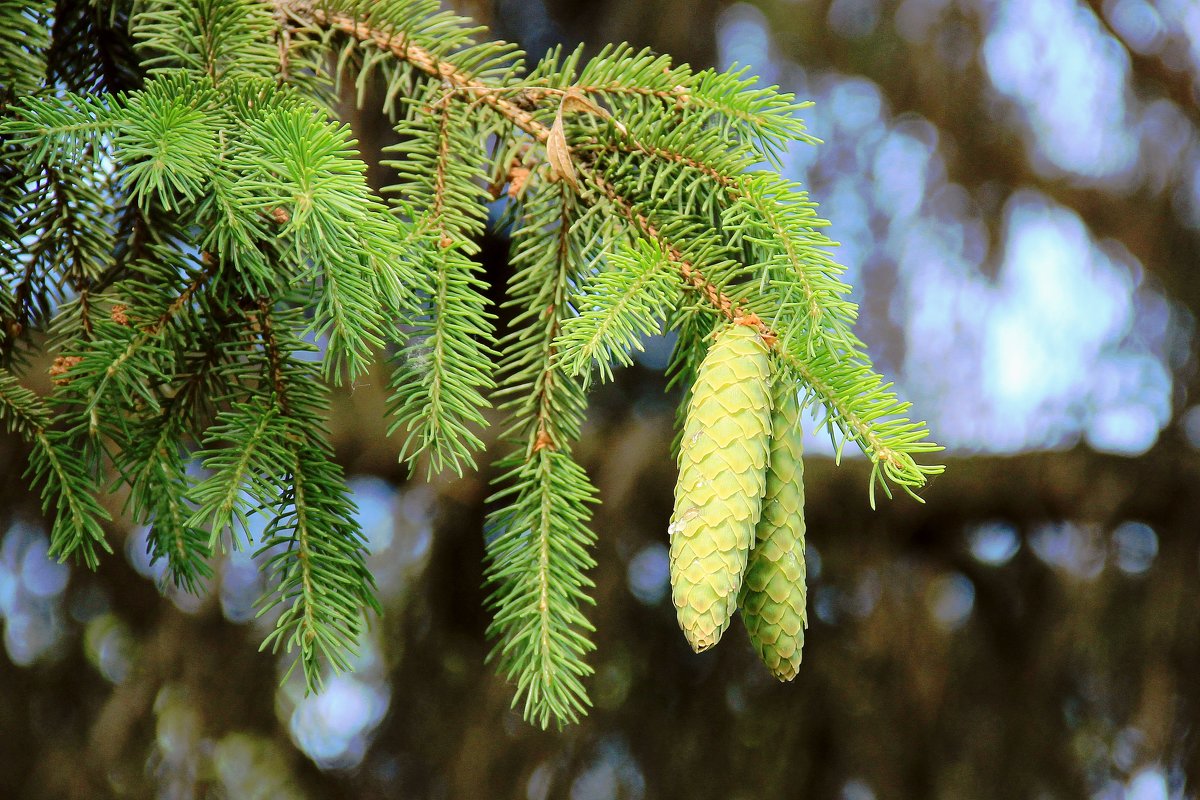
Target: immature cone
722,477
773,593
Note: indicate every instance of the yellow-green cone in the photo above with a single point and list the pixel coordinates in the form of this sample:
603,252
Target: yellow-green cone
722,477
773,594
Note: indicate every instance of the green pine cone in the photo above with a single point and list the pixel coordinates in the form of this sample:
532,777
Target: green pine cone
773,595
722,477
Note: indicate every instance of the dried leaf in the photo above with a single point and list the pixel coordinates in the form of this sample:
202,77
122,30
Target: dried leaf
559,154
557,150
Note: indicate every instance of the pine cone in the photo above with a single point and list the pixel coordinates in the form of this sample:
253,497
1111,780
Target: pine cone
722,477
774,592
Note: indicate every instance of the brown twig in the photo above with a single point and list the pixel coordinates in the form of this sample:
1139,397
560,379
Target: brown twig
283,38
545,406
430,64
211,267
261,320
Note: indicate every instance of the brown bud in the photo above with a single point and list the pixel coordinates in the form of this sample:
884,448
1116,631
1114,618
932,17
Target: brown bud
61,366
518,176
543,441
527,99
117,314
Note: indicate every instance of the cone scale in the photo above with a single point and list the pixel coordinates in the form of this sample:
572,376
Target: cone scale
774,592
722,479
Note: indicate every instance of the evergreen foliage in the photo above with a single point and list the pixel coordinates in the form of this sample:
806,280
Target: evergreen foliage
186,229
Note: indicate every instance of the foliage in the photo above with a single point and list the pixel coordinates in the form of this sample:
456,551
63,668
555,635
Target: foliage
188,231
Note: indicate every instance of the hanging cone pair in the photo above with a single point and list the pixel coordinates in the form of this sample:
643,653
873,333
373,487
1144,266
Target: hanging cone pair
737,533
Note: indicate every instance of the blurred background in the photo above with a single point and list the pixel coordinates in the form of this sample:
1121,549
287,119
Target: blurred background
1015,187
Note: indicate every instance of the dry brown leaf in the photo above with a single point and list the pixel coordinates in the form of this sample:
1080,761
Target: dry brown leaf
558,152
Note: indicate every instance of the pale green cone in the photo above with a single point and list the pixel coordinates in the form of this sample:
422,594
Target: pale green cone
722,477
773,594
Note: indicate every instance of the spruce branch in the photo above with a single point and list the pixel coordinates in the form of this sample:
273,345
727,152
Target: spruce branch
152,458
90,48
538,557
446,365
234,472
200,245
777,218
271,446
24,39
538,550
855,414
618,307
154,466
212,39
65,483
856,417
434,65
306,169
756,212
134,360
